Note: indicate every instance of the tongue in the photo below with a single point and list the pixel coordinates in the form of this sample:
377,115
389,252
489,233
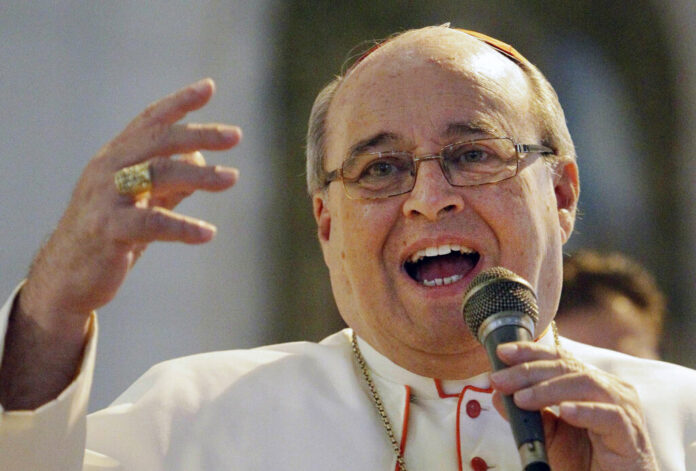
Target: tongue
444,266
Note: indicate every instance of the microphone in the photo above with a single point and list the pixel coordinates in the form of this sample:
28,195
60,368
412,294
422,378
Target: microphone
499,307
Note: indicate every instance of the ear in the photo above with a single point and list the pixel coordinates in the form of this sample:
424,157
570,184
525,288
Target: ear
567,188
322,216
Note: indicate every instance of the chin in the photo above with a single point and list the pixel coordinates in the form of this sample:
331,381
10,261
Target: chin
448,336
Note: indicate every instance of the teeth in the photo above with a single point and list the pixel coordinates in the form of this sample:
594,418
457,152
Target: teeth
442,281
440,250
443,250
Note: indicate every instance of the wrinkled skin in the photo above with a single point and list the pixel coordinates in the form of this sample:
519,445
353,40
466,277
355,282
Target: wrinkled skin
418,93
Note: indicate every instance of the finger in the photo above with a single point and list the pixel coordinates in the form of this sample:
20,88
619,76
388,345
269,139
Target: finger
182,138
175,106
175,139
570,387
514,353
173,176
548,415
523,375
171,200
609,421
195,158
138,225
602,419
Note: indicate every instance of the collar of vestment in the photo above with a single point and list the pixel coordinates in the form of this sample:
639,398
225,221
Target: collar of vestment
421,386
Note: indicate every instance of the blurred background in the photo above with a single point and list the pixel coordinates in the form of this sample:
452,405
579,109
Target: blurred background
73,74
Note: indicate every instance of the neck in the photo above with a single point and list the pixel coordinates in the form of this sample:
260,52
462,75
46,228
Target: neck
469,361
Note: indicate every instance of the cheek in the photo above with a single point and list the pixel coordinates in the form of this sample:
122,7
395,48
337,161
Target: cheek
364,229
357,262
544,226
514,218
526,223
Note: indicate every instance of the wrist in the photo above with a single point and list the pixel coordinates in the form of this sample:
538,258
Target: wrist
34,306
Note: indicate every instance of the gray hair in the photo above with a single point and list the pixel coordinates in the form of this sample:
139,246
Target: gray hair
545,105
316,136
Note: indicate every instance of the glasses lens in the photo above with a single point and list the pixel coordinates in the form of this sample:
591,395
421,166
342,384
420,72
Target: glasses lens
479,162
378,175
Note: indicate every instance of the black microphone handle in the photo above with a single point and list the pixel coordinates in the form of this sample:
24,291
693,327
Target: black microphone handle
526,425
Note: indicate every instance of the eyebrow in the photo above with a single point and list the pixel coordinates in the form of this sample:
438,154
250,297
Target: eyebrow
453,130
469,128
362,146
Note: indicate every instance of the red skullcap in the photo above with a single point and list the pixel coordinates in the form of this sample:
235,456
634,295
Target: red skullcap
497,44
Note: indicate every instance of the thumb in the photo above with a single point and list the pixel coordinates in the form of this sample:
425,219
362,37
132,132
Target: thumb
498,404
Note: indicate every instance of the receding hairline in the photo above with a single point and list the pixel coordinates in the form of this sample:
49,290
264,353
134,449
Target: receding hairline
417,48
431,38
543,100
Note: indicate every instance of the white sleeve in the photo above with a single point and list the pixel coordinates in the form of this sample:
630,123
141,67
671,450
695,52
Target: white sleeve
52,437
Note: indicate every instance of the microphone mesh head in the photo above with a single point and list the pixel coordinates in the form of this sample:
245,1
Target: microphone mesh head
495,290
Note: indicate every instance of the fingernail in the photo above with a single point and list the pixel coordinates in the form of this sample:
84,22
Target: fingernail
507,349
201,85
207,230
496,377
226,173
568,409
230,132
523,395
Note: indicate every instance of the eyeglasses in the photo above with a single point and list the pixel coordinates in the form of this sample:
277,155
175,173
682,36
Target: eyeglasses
477,162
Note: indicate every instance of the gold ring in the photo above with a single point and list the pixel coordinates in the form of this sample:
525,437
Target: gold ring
134,180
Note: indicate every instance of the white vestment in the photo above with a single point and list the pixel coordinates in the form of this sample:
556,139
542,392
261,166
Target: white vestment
304,406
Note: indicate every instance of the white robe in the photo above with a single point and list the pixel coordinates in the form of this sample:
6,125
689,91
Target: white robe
304,406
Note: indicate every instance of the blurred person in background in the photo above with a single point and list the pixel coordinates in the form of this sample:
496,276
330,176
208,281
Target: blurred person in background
611,301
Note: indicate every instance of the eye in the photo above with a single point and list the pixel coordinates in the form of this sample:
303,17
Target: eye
470,154
384,167
379,168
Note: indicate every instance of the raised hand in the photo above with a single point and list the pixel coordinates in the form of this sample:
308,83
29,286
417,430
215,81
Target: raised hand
104,230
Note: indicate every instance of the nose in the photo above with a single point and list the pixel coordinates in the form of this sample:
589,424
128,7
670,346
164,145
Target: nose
432,195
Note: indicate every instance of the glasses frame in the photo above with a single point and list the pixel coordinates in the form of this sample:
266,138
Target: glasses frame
521,151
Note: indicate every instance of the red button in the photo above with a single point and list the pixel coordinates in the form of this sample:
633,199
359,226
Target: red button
473,408
478,464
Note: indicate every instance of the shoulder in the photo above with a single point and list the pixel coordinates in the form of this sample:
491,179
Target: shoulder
204,376
223,405
633,369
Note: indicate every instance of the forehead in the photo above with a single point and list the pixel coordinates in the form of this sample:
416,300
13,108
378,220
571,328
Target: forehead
419,85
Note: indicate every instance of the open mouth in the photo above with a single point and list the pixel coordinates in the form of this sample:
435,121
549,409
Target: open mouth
442,265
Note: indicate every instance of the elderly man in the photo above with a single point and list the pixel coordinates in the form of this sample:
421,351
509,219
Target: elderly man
439,154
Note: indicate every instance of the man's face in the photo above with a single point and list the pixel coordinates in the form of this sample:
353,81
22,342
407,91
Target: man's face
419,93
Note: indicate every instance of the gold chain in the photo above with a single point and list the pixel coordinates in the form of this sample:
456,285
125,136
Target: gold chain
377,400
556,340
